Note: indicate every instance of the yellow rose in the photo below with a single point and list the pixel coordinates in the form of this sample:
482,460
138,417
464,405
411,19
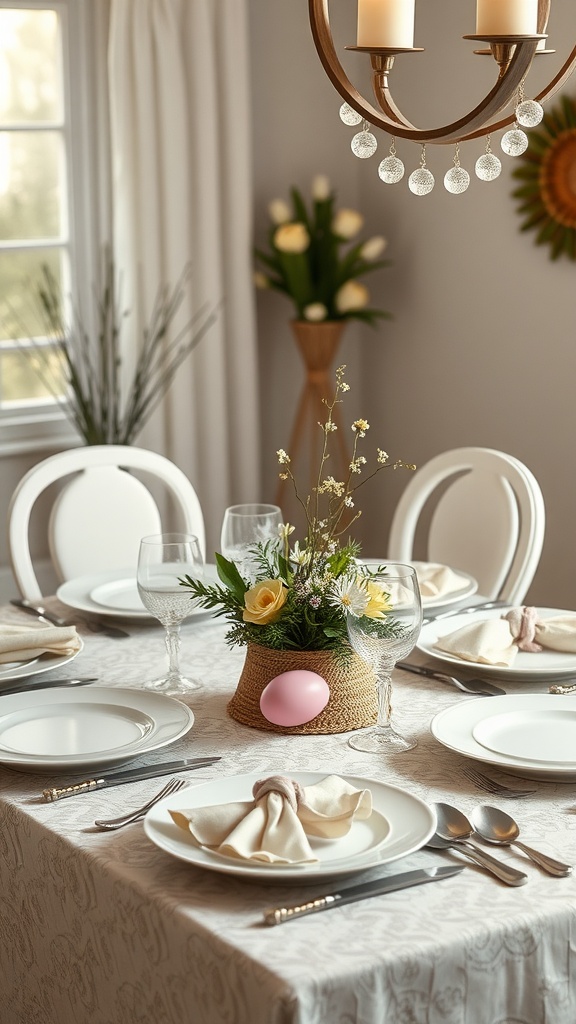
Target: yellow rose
350,296
292,237
263,603
378,600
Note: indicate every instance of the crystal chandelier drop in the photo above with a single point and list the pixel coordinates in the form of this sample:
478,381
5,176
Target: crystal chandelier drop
513,33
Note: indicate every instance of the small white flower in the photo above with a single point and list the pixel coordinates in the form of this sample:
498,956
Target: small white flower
315,311
373,248
283,458
284,531
382,456
346,594
352,295
279,211
320,187
347,223
292,237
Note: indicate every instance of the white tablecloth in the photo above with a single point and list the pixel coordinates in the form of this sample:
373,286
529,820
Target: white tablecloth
107,929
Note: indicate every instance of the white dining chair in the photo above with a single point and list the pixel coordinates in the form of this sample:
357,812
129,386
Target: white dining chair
101,513
489,520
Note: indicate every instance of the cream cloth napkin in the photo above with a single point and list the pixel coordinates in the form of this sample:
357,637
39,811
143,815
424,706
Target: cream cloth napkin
20,643
274,827
437,580
497,641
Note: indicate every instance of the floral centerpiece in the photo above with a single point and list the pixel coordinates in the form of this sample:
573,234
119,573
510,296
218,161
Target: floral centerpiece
314,260
292,611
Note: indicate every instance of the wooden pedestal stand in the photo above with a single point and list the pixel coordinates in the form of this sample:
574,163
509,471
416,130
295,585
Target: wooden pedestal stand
318,343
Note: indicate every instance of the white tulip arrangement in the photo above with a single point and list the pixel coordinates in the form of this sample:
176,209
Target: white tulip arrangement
314,260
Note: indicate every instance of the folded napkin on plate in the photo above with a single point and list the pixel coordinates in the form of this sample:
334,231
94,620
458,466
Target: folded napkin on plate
275,825
497,641
437,580
20,643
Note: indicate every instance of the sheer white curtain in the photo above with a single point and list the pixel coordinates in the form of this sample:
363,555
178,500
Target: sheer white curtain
181,193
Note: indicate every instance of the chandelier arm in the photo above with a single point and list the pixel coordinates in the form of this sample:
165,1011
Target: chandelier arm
390,118
557,82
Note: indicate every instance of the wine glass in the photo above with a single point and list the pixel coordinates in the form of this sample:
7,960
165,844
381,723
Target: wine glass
162,561
243,527
382,641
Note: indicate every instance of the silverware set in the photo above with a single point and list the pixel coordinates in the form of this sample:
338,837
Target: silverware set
492,825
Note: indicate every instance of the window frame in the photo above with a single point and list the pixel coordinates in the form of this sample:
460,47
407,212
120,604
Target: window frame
42,425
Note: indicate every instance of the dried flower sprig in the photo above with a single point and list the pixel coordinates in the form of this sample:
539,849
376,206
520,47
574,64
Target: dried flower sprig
299,593
101,409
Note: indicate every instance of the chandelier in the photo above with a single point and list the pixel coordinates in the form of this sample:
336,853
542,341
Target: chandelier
513,32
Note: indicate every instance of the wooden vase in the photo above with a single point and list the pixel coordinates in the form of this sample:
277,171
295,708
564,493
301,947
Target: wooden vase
318,344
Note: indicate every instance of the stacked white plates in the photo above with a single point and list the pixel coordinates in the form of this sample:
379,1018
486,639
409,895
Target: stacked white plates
115,594
527,734
71,730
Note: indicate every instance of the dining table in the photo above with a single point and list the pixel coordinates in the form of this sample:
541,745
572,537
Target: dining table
109,928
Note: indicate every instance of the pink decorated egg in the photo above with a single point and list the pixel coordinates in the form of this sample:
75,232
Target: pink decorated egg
294,698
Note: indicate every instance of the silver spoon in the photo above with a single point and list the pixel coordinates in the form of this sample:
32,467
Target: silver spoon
454,828
495,826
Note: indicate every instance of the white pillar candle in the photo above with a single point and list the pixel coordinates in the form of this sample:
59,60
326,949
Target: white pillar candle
386,23
506,17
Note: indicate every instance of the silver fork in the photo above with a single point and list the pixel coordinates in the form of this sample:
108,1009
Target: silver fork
491,786
109,824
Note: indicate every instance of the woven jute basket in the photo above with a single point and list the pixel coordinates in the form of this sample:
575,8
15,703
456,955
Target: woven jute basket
353,700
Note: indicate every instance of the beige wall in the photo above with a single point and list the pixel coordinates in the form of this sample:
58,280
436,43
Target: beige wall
482,348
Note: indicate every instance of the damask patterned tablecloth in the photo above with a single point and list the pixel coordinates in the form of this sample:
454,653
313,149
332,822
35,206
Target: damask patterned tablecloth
105,928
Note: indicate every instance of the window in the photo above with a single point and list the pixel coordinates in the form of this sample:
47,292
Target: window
44,204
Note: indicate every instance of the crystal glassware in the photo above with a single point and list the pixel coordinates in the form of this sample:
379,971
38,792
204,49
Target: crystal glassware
164,559
383,634
243,527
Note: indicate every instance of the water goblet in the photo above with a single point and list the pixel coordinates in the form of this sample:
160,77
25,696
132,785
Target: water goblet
383,633
163,560
243,527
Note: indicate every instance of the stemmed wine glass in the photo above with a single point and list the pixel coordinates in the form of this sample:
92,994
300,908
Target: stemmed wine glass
163,560
243,527
384,640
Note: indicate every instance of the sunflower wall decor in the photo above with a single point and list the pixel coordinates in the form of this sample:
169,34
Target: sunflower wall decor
547,172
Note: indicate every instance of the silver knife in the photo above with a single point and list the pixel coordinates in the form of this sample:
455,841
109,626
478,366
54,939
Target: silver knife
151,771
43,684
41,613
352,893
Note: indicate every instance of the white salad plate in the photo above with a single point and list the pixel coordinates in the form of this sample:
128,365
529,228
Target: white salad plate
115,593
468,588
527,734
525,667
35,666
400,824
67,730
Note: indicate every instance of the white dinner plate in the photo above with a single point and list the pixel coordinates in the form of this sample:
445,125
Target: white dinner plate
400,824
35,666
475,727
468,588
68,730
526,667
115,593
